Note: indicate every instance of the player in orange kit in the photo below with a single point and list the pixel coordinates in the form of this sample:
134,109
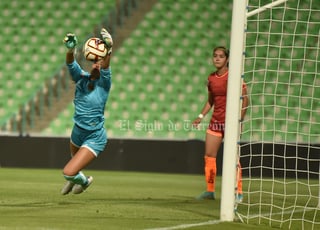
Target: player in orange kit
217,95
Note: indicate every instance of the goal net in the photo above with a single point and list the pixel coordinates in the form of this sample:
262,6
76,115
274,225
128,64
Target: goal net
280,141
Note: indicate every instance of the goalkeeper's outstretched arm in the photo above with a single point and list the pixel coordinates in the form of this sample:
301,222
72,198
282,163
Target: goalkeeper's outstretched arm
70,41
69,57
107,39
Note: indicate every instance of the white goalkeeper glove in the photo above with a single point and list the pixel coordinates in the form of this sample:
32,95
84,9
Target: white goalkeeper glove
106,37
70,41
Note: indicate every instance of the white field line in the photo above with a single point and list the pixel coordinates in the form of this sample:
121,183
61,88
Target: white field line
184,226
212,222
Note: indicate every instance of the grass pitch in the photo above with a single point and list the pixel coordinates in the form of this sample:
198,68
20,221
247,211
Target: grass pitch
31,199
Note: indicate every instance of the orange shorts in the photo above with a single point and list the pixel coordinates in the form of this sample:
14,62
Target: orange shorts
216,129
215,133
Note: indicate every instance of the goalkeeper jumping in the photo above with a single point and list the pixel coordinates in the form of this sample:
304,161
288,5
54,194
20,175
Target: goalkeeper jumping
88,137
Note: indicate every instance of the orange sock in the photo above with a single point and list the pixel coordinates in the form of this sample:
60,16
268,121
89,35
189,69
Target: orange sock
239,179
210,170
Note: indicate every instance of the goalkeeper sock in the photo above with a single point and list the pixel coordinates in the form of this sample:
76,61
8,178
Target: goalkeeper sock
210,169
79,178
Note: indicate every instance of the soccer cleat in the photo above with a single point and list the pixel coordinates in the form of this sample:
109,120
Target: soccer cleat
206,196
78,188
67,188
239,198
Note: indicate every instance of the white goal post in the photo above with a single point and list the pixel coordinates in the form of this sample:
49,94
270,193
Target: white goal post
275,48
230,149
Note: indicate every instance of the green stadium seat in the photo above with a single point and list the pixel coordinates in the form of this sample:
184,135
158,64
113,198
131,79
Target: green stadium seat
40,35
159,71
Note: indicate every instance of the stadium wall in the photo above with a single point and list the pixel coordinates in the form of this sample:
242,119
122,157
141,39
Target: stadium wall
167,156
120,154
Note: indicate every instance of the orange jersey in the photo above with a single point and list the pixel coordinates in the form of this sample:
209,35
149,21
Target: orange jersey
217,86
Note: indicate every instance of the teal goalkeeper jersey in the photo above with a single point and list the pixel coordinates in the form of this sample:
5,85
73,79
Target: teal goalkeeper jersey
89,104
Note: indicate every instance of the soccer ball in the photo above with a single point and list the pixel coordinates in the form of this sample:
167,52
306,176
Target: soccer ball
94,49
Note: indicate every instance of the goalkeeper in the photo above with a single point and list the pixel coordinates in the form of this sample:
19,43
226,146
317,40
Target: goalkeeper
217,93
88,137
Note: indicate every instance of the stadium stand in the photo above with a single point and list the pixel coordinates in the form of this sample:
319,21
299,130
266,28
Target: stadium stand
159,71
33,55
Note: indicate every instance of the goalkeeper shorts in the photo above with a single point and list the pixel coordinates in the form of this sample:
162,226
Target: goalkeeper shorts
94,140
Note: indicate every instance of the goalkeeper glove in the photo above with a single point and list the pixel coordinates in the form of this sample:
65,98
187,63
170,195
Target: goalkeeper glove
106,37
70,41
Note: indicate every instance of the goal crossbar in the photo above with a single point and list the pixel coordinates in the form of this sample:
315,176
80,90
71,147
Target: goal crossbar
265,7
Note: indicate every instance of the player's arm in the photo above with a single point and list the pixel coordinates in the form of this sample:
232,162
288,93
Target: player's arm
69,57
206,108
70,41
108,42
105,63
245,102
